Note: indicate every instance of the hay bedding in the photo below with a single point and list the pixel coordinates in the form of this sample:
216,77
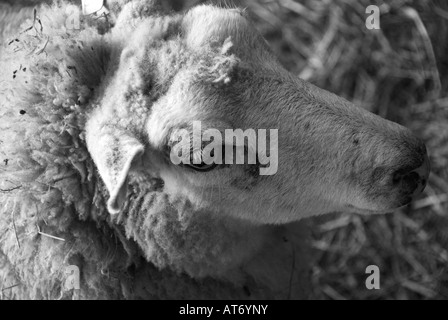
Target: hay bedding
53,211
399,72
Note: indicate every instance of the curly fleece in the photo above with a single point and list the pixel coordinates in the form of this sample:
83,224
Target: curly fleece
53,202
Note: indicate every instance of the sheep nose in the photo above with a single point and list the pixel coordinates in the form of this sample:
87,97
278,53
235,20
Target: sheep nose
413,180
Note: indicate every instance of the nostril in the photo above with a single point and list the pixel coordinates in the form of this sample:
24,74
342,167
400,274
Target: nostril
411,180
408,183
408,176
404,174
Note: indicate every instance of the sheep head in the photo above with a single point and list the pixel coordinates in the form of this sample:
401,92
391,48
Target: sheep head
211,66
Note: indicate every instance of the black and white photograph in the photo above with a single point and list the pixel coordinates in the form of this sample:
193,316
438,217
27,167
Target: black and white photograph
229,152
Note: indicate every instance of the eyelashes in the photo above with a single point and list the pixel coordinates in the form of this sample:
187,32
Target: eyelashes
202,166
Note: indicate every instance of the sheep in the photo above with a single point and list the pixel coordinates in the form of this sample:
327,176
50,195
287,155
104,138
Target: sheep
86,121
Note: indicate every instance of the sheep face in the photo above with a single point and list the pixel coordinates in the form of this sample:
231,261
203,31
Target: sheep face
211,66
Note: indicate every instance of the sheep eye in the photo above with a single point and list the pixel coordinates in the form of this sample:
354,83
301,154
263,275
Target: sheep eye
202,167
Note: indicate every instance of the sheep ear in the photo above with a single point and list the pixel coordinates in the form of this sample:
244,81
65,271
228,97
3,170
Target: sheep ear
113,152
